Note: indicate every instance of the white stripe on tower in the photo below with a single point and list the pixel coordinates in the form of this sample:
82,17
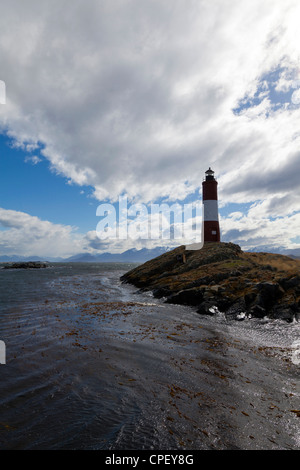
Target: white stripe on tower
210,210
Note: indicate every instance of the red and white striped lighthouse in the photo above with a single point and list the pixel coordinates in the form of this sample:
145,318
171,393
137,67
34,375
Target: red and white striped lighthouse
210,228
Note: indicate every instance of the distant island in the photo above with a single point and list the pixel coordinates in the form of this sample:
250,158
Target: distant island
222,276
27,265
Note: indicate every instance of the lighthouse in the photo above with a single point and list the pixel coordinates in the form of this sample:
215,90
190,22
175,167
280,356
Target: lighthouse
210,227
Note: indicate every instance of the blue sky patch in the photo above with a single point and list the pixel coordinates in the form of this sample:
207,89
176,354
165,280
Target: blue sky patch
268,88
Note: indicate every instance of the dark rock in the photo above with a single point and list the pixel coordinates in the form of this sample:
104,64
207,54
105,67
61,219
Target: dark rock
250,297
294,306
283,312
257,311
290,283
200,282
236,308
218,277
27,265
268,294
192,296
224,303
161,292
206,307
267,267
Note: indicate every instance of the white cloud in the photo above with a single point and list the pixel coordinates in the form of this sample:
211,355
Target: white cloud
28,235
123,94
257,228
33,159
138,97
296,96
235,215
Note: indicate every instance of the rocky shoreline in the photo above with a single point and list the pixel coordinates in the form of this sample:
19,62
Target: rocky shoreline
222,277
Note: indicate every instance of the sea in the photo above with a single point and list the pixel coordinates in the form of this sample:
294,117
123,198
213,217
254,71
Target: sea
89,362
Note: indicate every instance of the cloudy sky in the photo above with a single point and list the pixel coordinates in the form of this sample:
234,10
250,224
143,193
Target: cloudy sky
138,98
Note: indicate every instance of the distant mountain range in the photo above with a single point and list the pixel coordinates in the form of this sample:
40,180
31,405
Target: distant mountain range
294,253
130,256
17,258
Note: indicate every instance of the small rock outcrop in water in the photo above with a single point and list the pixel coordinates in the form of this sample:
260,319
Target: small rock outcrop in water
221,276
27,265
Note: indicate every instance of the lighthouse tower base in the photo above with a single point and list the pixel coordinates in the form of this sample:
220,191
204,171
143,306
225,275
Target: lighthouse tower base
211,231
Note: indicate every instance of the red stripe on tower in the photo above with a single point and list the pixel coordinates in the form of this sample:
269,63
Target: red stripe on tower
211,228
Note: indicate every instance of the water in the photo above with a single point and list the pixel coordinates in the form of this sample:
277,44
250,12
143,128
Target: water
92,363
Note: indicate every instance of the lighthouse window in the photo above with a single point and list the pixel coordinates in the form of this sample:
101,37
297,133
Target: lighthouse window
214,232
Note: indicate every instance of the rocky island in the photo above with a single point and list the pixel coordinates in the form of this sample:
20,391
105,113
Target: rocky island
27,265
222,277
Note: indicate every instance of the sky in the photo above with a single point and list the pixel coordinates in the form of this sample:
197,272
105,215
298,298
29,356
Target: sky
138,98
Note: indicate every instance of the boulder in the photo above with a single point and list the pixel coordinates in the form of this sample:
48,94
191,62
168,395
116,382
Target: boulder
161,292
290,283
193,296
268,294
283,312
236,308
257,311
224,303
250,297
207,308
